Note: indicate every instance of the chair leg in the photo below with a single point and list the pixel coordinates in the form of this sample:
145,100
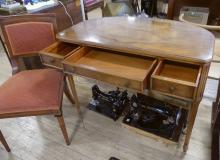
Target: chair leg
63,128
2,139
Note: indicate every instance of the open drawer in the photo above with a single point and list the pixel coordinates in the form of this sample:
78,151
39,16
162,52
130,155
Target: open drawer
112,67
176,79
54,54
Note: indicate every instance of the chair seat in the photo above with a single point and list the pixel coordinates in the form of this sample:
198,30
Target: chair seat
31,92
214,71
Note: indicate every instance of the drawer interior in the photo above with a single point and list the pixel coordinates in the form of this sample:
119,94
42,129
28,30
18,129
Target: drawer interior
179,71
112,63
60,48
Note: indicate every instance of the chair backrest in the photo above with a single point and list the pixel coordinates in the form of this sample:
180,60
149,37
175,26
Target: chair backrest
26,35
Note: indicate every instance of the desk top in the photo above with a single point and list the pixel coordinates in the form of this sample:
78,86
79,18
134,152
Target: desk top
144,36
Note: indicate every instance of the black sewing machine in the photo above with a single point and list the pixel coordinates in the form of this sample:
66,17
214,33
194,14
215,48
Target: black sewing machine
154,116
110,104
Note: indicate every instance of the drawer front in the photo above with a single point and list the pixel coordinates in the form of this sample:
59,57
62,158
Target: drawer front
54,54
51,61
171,88
115,80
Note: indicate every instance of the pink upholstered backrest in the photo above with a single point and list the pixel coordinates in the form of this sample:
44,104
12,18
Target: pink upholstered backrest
29,37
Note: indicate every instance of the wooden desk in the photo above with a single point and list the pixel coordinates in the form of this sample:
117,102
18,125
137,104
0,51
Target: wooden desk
166,57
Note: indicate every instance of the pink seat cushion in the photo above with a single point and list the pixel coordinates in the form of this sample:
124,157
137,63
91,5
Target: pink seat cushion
31,91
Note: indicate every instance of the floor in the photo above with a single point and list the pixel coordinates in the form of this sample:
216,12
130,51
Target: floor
40,138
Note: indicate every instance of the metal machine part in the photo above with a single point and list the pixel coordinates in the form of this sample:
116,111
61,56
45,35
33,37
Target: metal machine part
152,115
110,104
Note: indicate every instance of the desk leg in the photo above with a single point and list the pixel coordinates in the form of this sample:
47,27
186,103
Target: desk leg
74,93
2,139
215,145
67,91
191,120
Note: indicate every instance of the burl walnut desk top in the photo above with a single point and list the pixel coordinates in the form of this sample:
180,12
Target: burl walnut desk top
169,58
151,37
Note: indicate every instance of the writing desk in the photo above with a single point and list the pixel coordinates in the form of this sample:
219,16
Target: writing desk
166,57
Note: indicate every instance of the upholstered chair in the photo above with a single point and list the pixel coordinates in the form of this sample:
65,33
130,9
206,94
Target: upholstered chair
31,92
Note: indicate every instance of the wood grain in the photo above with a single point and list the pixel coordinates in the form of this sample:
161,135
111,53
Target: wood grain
119,69
107,137
144,36
54,54
176,79
181,73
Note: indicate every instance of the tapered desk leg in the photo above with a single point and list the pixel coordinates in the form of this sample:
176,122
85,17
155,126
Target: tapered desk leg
191,120
215,145
67,91
73,90
2,139
74,93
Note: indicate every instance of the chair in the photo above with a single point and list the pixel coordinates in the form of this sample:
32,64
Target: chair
2,139
31,92
90,5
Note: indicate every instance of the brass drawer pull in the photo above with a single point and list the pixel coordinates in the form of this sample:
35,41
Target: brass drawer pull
52,61
172,89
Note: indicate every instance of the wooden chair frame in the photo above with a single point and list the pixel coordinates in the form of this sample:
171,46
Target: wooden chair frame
5,144
7,20
51,18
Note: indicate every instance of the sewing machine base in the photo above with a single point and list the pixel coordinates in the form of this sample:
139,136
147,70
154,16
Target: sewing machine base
150,116
111,104
104,108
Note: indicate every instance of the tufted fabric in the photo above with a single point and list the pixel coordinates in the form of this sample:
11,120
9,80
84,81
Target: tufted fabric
31,91
29,37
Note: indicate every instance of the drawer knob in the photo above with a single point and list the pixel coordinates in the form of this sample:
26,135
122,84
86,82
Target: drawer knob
172,89
52,60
